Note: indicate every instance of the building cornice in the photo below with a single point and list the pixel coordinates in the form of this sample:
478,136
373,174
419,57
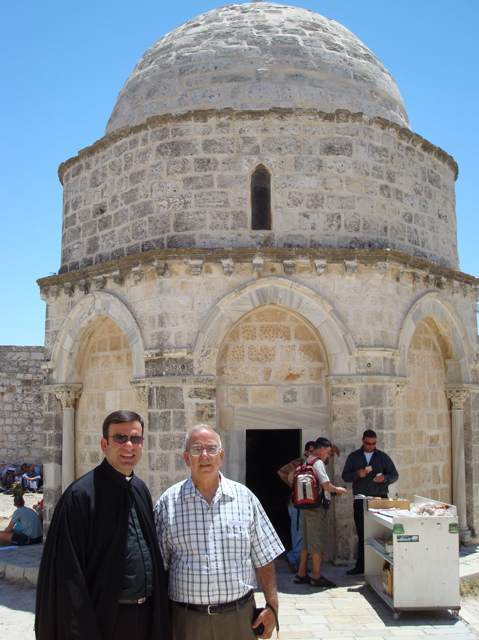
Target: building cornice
95,277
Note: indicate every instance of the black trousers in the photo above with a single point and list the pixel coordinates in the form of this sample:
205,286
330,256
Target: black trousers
358,507
133,621
358,512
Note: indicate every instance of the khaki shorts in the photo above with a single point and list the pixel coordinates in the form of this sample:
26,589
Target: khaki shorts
315,530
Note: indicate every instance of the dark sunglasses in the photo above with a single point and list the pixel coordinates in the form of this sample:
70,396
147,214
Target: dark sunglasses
121,438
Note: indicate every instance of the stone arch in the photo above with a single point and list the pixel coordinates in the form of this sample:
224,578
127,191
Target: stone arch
434,352
423,435
452,338
337,341
272,370
79,325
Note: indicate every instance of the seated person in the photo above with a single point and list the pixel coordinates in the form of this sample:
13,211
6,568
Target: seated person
19,473
8,476
31,531
31,479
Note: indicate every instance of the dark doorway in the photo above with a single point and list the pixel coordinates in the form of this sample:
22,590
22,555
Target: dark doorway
267,451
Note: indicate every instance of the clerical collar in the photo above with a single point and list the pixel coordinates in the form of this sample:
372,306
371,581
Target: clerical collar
114,475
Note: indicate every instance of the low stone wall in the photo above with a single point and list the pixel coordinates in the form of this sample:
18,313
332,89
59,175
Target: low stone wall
21,404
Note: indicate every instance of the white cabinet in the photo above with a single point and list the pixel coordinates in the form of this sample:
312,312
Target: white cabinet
425,559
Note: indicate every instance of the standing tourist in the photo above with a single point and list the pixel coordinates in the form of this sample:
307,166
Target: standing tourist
216,541
316,521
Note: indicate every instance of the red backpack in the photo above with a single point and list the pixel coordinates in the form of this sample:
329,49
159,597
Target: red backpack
307,492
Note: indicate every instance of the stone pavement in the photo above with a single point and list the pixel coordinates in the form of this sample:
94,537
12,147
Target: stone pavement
352,611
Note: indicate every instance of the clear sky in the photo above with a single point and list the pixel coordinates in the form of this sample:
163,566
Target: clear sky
63,64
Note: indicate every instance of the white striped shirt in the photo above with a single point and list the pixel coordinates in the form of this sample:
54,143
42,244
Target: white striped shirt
212,550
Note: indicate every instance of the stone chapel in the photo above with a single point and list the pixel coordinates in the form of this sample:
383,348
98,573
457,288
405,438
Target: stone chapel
262,243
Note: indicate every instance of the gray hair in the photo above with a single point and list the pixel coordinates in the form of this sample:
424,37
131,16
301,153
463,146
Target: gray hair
198,427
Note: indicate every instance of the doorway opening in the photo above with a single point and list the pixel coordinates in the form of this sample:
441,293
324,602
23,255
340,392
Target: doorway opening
266,451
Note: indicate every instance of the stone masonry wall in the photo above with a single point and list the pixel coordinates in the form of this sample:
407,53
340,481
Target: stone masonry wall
338,180
21,405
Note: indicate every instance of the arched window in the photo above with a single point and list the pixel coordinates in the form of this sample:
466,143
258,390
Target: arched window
261,199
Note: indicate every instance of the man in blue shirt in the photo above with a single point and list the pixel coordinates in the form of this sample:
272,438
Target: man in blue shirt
25,526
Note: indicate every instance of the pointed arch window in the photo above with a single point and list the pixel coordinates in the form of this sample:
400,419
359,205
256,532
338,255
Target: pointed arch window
261,199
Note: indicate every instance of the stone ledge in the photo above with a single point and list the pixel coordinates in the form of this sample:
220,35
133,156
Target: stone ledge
433,272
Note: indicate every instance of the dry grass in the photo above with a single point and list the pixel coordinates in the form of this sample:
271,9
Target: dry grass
469,588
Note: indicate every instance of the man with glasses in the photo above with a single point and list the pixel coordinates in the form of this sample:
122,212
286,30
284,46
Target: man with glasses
101,574
371,471
286,473
216,542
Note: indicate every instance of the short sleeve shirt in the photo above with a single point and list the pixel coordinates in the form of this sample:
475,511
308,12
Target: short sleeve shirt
29,521
212,550
320,471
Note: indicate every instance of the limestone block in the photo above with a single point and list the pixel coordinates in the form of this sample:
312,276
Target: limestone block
262,395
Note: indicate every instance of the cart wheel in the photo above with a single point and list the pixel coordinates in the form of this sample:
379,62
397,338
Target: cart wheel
397,615
455,614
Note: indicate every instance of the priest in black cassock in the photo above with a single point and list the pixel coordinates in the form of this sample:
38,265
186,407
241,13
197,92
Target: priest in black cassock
101,575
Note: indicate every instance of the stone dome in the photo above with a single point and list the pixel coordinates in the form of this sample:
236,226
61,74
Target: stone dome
258,55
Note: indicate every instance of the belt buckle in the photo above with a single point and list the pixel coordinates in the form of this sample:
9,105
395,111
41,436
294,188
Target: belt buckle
212,613
141,600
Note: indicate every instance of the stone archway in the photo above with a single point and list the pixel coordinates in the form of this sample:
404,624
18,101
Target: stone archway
77,327
106,371
271,399
434,343
72,349
272,369
423,423
337,341
449,329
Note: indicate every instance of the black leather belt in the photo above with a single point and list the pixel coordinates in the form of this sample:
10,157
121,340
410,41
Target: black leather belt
215,609
138,601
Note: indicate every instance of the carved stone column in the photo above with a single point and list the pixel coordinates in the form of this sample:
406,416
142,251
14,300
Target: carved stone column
458,395
68,394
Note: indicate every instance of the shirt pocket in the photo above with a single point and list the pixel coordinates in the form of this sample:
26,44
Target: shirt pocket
238,538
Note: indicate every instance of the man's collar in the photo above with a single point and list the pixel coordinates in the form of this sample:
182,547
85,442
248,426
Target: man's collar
115,476
224,487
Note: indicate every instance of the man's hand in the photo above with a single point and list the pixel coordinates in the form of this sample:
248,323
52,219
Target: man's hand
267,579
340,491
379,478
362,473
267,618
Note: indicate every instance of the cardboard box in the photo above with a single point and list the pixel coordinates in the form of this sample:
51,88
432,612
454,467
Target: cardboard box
388,578
389,503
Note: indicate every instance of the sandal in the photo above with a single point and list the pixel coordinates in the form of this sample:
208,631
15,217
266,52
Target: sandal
322,582
302,579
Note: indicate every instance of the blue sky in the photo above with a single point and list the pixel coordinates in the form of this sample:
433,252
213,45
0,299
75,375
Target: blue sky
64,63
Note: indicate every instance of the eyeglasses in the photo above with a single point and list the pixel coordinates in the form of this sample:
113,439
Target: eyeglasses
197,450
121,438
369,444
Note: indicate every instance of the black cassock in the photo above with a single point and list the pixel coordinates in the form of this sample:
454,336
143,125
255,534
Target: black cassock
82,567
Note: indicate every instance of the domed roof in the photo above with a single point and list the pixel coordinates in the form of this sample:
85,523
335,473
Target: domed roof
258,55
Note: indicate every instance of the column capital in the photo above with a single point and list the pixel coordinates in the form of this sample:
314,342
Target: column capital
141,387
457,394
68,394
